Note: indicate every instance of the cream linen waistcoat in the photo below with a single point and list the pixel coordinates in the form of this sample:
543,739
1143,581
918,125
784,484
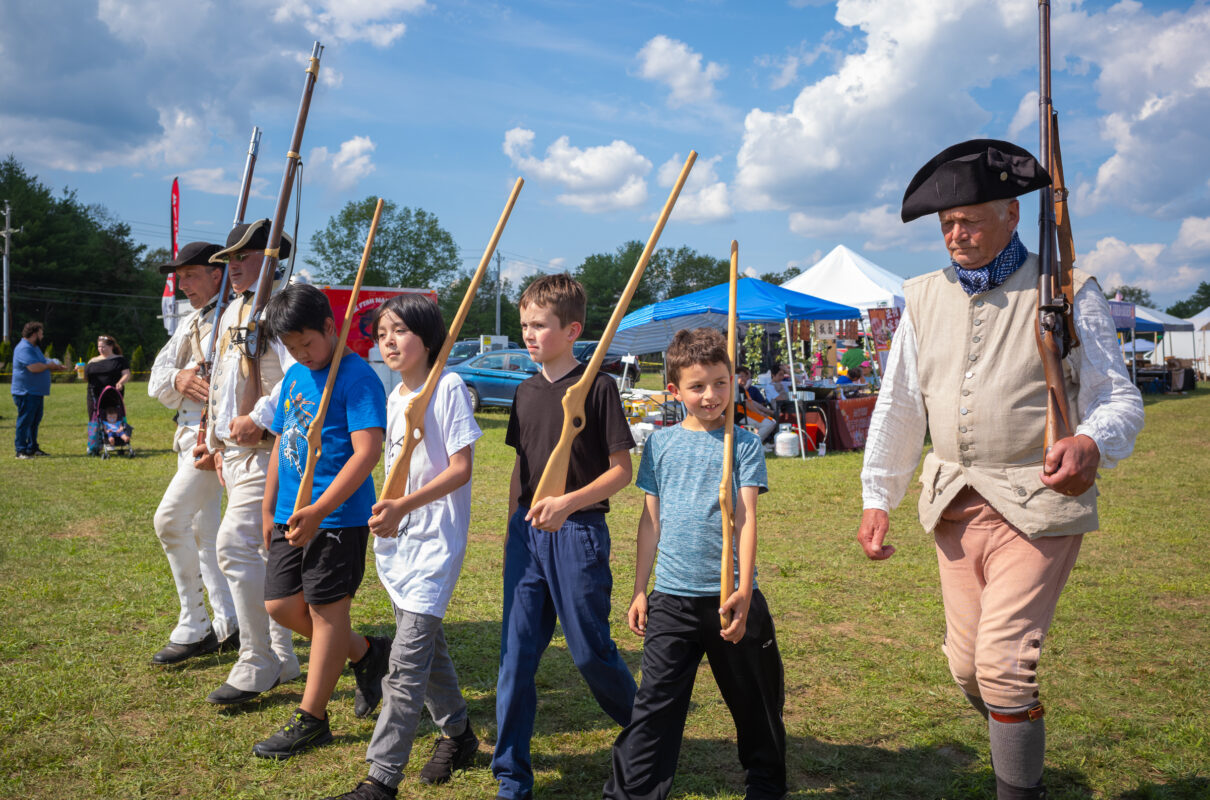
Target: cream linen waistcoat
985,395
229,364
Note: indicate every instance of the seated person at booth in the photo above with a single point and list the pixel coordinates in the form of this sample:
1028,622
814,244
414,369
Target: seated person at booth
775,384
752,405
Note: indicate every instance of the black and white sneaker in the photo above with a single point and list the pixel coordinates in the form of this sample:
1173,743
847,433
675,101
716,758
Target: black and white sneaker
369,789
368,673
449,756
302,733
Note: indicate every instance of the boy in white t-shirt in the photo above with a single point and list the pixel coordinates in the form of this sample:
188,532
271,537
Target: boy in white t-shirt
419,545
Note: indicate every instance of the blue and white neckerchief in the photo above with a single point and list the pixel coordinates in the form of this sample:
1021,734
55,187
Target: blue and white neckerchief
984,279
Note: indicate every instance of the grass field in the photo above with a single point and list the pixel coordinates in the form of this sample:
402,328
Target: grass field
871,711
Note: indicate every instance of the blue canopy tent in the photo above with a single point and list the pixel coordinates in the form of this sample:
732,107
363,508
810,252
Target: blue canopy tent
651,329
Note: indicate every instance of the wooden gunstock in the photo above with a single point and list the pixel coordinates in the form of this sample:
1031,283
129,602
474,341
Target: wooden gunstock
725,502
1067,244
397,481
553,482
314,433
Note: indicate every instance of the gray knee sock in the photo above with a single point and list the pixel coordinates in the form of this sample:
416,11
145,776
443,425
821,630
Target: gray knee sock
1018,749
977,704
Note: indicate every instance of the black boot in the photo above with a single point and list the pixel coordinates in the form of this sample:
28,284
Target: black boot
1006,791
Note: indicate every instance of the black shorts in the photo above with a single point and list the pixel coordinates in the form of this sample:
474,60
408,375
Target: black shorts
327,569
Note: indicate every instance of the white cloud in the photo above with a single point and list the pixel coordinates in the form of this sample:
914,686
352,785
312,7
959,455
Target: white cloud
373,21
1026,116
214,180
1160,269
704,198
914,76
1154,82
678,67
881,227
344,169
602,178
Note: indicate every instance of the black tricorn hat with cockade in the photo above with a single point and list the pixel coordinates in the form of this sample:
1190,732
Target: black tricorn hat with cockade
192,254
250,236
969,173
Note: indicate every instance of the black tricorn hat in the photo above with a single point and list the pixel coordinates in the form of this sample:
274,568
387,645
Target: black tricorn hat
970,173
250,236
192,254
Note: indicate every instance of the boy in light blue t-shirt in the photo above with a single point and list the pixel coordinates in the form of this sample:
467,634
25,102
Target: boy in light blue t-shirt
317,554
682,521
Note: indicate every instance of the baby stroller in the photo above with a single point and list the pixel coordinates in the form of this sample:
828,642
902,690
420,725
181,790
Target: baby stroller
106,441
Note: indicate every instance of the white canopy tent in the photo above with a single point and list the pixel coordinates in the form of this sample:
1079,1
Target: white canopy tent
1168,347
845,277
1201,334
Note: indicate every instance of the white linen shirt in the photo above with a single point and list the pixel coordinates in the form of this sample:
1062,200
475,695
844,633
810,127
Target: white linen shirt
420,566
161,384
1108,405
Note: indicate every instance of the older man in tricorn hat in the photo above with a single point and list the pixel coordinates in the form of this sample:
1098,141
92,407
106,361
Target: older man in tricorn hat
242,451
964,364
186,521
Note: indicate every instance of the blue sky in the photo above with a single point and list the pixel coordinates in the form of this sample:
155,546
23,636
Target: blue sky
809,117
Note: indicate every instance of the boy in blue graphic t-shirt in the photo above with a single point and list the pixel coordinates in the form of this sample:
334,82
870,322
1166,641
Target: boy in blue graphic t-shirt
679,622
317,554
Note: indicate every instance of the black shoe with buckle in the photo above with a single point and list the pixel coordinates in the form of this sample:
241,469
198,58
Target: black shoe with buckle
302,733
368,673
369,789
449,756
173,653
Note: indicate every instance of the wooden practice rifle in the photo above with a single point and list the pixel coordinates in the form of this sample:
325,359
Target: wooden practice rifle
224,287
1055,327
726,501
413,416
253,342
554,476
314,432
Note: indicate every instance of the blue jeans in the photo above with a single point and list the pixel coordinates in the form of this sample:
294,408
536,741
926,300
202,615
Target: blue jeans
29,416
562,575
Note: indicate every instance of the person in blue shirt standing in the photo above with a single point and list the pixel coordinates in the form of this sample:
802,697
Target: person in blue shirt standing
317,554
680,533
31,385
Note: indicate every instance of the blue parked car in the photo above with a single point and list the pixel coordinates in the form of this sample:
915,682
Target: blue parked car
492,378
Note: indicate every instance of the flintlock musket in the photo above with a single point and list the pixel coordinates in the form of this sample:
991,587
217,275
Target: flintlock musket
554,476
413,415
1054,306
315,430
253,341
726,503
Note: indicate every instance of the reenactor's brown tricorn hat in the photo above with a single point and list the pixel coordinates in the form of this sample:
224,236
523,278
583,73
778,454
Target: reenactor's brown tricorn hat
250,236
192,254
970,173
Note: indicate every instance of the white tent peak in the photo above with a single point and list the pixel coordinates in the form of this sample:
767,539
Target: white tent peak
1201,320
843,276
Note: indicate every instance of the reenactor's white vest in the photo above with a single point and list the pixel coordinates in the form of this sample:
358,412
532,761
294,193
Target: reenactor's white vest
985,395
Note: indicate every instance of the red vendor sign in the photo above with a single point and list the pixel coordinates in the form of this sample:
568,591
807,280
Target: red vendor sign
361,337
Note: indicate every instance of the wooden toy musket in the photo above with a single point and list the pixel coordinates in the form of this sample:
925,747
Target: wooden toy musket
1053,305
554,476
397,481
224,286
315,430
254,346
726,503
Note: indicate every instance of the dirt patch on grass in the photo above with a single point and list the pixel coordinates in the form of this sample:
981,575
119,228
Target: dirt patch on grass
90,528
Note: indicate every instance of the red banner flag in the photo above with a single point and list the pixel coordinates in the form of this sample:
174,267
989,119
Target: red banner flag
168,302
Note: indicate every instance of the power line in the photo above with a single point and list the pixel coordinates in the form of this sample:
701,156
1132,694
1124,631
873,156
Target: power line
85,291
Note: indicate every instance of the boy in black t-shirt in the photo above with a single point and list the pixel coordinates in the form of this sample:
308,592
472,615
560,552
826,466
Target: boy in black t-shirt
556,555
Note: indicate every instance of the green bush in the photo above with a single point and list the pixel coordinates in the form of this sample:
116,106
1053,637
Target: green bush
138,361
49,352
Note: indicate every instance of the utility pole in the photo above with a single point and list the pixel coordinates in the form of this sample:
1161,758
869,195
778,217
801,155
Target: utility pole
7,233
498,285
